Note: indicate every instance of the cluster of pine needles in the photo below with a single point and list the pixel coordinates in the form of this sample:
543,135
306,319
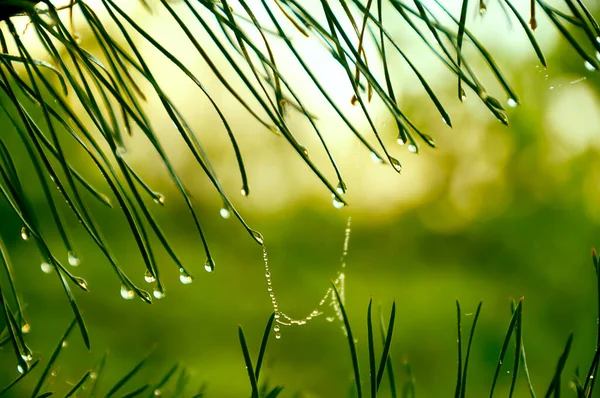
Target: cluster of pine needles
37,97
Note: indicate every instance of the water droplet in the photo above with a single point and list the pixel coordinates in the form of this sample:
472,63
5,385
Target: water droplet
258,237
396,164
120,151
277,316
184,277
412,148
276,328
209,265
74,261
588,65
598,39
93,375
20,369
400,141
598,55
27,357
148,277
267,274
329,319
77,38
158,293
157,392
127,293
24,233
376,158
512,103
304,150
64,344
159,198
26,328
82,283
338,204
244,192
341,188
225,213
551,87
354,100
46,268
277,336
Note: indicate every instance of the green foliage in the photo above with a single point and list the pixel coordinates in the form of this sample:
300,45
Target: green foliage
584,388
107,85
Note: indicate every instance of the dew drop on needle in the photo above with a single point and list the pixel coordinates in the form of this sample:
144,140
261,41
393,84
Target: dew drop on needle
126,293
74,261
24,233
225,213
148,277
184,277
46,268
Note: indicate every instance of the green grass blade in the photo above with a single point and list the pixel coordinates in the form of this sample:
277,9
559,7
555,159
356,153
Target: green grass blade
137,391
52,359
524,359
384,338
274,393
99,372
555,383
463,386
458,387
518,346
165,379
182,382
79,384
263,345
248,362
351,343
126,378
509,332
372,366
387,344
408,390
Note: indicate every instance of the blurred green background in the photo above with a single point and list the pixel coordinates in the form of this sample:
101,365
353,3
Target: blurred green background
494,213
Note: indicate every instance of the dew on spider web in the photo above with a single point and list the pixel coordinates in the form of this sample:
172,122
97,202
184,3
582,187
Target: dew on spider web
282,319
